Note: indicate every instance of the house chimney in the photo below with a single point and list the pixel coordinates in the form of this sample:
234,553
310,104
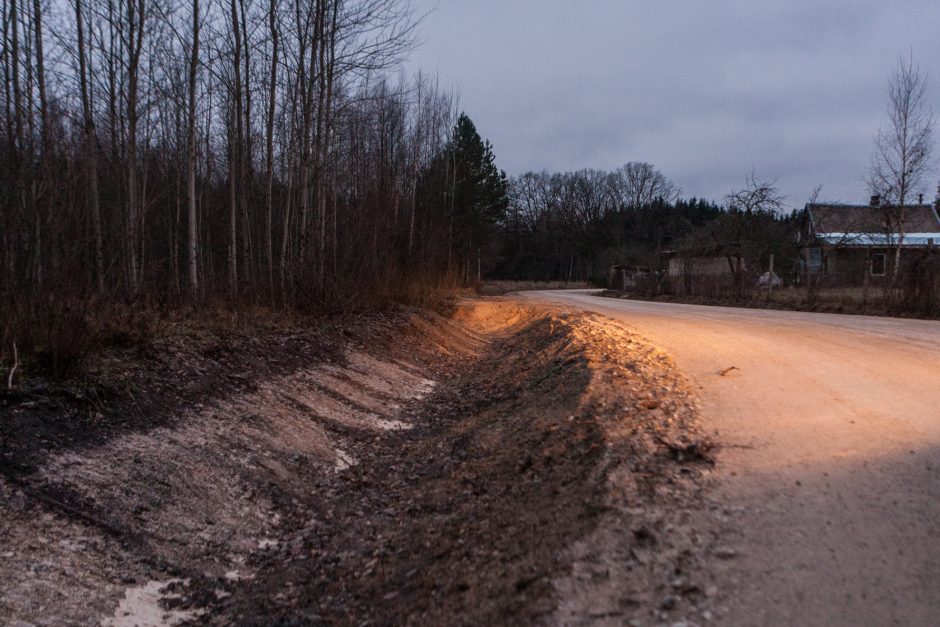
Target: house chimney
920,199
876,201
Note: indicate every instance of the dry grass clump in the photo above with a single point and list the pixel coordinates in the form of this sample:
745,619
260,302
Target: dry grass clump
54,336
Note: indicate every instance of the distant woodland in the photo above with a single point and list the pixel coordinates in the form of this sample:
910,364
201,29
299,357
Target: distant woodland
574,226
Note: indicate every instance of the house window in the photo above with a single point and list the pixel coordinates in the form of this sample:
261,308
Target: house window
879,263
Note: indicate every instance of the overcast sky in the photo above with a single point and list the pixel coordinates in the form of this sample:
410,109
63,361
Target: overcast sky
705,90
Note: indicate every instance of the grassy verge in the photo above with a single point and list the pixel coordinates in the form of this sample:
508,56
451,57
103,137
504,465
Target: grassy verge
499,288
831,300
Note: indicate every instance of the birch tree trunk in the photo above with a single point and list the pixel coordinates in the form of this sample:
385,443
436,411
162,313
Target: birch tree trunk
269,147
192,228
90,149
135,35
235,145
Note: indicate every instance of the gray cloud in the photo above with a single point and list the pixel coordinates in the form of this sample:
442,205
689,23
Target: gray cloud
706,90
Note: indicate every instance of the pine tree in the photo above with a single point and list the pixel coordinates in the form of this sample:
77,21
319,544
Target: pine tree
475,199
480,186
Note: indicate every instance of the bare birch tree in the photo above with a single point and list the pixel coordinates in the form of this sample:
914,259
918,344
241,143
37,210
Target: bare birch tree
902,154
192,232
132,32
90,147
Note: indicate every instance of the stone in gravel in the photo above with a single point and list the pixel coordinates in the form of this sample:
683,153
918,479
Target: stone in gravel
725,553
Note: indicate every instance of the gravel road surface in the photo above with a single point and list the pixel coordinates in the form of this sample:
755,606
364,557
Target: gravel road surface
829,428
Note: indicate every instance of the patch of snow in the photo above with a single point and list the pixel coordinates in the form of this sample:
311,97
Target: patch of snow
141,607
344,460
425,387
238,575
385,424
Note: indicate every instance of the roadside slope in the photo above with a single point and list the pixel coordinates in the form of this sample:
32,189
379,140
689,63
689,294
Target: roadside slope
512,464
548,484
179,464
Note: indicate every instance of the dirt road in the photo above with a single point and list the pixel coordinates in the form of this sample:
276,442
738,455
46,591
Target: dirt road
830,462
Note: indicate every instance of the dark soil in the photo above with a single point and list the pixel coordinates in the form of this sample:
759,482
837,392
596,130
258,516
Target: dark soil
146,385
157,384
461,521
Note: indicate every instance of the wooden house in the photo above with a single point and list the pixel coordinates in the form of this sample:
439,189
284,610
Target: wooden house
850,245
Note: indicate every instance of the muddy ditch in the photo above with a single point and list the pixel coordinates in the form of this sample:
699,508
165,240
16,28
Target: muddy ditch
508,465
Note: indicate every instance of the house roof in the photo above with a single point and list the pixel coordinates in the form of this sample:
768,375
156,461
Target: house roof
865,225
833,218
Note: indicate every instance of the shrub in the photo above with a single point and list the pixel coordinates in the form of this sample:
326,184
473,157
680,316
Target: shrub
52,335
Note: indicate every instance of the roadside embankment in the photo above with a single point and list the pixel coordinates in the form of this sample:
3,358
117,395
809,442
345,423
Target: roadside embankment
511,463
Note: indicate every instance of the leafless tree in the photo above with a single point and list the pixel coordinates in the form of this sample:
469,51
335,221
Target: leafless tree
255,149
133,20
90,146
741,234
902,154
756,195
639,184
271,115
191,222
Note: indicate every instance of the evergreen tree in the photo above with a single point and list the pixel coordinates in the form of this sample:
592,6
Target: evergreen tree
478,189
